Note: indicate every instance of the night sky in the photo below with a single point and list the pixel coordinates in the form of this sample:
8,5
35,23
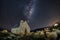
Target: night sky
45,13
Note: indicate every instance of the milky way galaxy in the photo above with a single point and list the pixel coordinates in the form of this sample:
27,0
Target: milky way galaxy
29,9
